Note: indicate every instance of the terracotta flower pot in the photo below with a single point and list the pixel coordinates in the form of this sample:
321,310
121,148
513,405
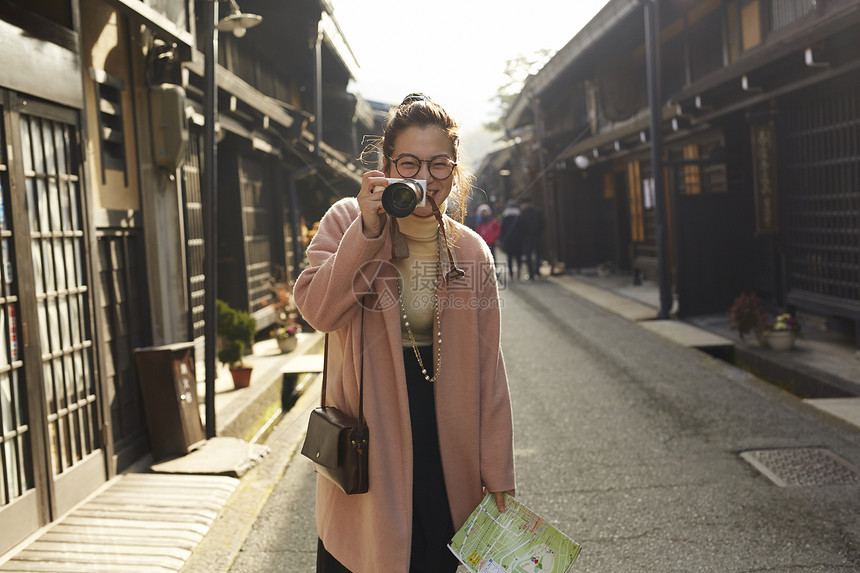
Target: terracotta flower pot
241,376
287,344
781,339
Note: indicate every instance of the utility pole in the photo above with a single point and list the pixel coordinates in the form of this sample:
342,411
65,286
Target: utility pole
318,98
652,57
550,215
210,197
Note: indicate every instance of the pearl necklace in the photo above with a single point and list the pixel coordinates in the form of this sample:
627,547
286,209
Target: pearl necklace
437,323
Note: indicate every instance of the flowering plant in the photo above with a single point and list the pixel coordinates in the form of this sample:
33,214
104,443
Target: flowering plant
285,331
286,314
784,322
746,314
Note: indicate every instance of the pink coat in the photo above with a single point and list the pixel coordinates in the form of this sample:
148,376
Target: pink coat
371,533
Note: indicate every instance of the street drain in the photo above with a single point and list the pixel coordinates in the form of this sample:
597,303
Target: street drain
802,466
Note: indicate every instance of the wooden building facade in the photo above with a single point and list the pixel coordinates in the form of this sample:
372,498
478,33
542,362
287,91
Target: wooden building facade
760,128
101,158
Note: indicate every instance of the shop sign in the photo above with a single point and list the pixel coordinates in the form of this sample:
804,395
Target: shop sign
764,176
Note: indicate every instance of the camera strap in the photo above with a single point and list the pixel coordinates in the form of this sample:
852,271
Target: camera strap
455,272
399,246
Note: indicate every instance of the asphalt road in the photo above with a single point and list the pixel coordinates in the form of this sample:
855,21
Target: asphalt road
631,445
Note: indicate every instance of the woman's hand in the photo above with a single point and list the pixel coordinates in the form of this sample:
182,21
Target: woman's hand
500,498
373,216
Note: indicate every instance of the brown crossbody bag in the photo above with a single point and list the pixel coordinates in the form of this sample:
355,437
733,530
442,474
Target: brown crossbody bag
336,442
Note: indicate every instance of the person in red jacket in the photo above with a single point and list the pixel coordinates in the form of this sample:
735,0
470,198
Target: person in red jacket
488,227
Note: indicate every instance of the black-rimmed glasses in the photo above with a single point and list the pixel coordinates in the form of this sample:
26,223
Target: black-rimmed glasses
408,166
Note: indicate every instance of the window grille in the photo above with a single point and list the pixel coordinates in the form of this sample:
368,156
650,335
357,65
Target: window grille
194,237
58,249
699,174
784,12
16,474
820,192
110,118
691,183
257,230
124,311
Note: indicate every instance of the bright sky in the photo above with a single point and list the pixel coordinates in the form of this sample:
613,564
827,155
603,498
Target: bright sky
453,50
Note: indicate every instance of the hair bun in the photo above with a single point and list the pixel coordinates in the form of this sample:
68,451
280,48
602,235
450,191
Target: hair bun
413,97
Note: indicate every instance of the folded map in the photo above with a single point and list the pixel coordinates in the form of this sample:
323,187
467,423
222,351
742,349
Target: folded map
515,541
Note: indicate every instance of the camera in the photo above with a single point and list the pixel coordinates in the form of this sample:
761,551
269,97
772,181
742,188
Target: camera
401,196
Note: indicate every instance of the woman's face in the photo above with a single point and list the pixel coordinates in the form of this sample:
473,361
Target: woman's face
424,143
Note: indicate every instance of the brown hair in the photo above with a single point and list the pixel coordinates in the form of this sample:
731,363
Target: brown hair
419,110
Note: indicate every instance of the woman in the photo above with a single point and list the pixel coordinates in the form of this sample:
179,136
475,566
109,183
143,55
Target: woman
436,397
488,227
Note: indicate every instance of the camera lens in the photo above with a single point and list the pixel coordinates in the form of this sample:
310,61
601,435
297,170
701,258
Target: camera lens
400,199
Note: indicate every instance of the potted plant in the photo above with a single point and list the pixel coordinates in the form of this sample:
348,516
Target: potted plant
746,315
286,317
237,328
287,336
782,333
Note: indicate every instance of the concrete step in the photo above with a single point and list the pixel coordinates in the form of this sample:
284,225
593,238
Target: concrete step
686,334
129,531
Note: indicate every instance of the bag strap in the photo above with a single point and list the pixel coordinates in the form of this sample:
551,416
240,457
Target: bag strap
361,379
361,423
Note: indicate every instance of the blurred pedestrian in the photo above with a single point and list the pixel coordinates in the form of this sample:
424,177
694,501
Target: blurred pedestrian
426,410
488,227
531,223
512,241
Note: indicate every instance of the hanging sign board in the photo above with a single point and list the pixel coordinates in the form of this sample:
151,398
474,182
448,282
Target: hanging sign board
764,177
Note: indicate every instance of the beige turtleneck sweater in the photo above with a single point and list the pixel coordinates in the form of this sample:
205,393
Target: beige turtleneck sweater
418,275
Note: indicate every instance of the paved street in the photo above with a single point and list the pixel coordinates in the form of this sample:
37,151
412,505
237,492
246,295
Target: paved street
631,445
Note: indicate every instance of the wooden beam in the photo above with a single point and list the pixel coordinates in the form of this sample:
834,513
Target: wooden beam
781,46
154,19
788,88
232,84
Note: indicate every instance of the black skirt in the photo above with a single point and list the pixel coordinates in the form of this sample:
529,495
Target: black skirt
432,527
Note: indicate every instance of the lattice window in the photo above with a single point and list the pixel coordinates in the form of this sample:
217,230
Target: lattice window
194,237
16,475
58,250
700,173
124,311
692,180
784,12
257,228
820,192
111,123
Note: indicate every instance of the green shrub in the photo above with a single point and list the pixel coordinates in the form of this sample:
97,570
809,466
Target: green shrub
237,328
232,353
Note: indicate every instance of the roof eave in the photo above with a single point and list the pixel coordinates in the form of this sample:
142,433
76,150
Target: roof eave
609,16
